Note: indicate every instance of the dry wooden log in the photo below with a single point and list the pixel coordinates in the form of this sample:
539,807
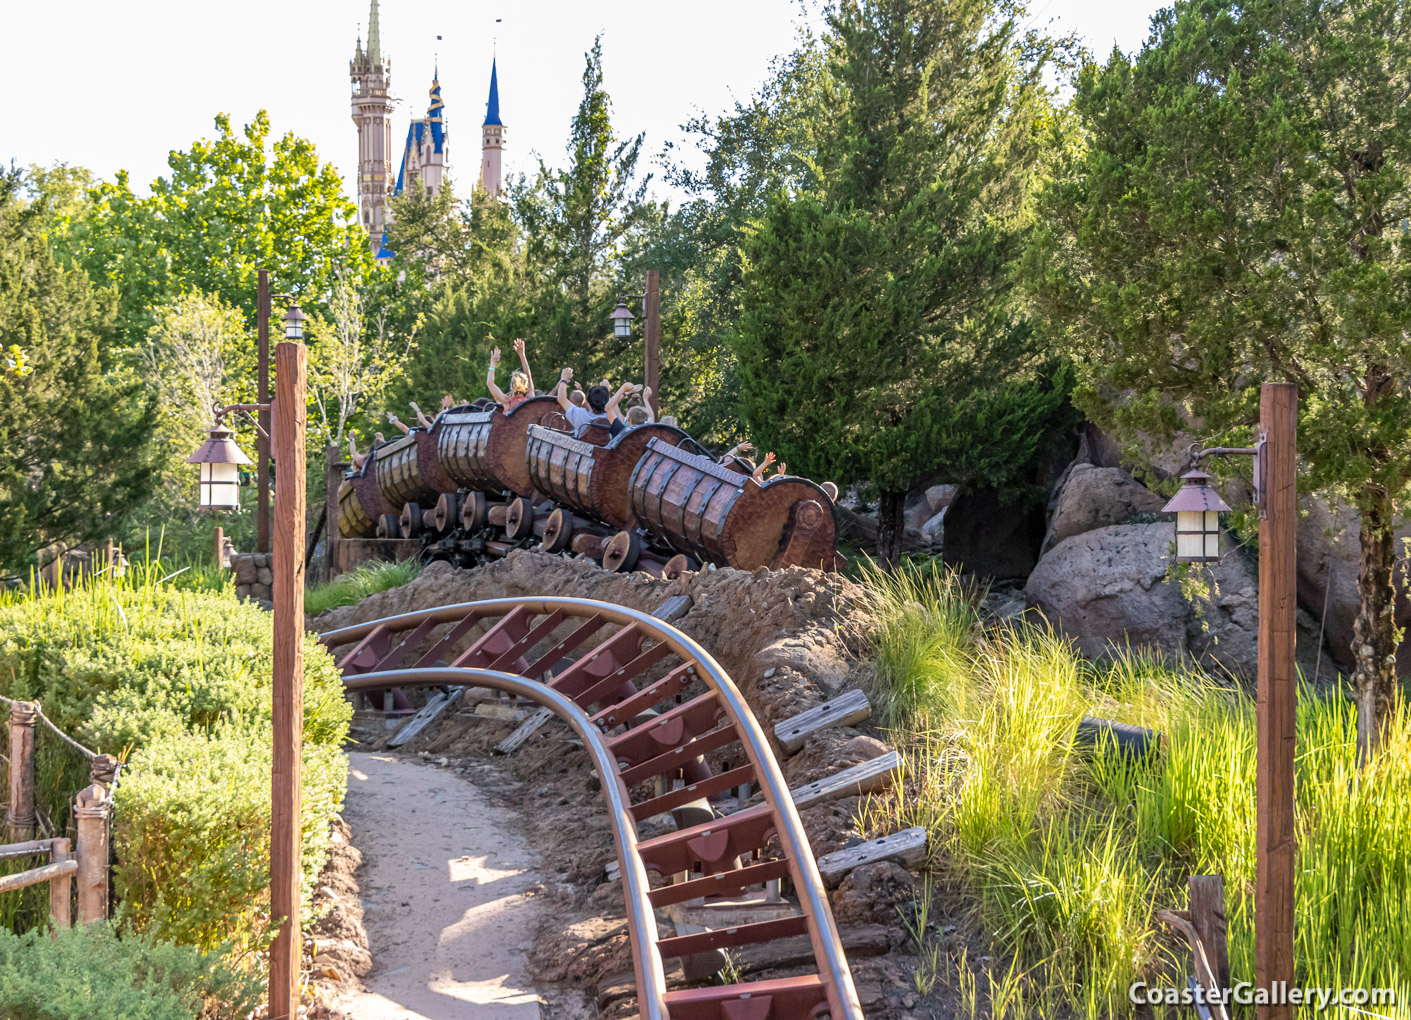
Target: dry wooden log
526,730
844,710
796,951
428,714
876,774
25,849
907,848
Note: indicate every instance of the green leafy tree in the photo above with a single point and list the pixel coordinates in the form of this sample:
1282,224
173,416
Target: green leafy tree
1239,215
229,207
878,339
74,430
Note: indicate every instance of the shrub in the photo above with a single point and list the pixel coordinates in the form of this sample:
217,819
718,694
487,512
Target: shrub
356,585
118,662
89,971
193,834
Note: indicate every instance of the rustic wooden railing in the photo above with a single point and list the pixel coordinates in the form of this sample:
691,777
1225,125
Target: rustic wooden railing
649,704
85,864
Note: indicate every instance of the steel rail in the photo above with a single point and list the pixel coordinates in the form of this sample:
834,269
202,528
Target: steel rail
808,884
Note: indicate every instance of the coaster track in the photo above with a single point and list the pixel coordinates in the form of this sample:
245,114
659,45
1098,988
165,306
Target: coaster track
652,708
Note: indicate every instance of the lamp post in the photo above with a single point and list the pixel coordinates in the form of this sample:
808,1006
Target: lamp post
651,311
1197,507
218,459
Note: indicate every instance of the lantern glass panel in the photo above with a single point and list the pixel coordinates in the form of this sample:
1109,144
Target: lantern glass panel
622,327
219,487
1212,535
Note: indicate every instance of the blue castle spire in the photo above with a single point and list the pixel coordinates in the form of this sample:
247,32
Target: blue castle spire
492,106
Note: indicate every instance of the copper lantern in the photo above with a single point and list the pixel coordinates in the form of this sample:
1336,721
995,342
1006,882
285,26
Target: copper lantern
219,459
1197,508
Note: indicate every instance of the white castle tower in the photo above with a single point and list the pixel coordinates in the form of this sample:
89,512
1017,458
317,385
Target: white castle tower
372,113
494,137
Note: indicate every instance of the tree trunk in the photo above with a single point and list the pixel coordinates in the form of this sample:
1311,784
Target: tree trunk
891,521
1374,632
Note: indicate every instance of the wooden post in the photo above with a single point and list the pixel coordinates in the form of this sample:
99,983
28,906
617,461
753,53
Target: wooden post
21,821
285,845
60,889
262,396
91,820
333,478
651,308
218,543
1276,840
1207,910
110,557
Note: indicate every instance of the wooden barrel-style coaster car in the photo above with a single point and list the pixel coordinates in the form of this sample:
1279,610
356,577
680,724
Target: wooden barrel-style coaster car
720,516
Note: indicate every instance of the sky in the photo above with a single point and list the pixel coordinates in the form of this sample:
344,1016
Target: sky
112,86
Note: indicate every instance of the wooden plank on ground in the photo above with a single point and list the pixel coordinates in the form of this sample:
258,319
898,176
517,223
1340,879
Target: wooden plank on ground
876,774
797,951
907,848
673,608
844,710
429,713
504,710
527,729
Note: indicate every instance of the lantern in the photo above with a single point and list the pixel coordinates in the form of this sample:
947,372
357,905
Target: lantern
1197,508
622,320
293,324
219,459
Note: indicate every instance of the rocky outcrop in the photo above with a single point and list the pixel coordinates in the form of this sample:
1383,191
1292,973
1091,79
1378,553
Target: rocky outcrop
1328,557
1095,497
1109,588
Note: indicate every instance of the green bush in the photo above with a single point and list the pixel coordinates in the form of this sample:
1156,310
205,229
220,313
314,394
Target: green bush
356,585
119,662
193,835
90,971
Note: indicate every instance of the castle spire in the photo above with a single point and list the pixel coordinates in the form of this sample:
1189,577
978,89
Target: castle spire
374,37
492,106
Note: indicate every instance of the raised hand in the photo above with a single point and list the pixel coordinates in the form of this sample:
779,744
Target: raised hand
566,375
745,446
494,359
519,346
447,402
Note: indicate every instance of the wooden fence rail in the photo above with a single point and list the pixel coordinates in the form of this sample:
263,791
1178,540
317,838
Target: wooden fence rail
85,864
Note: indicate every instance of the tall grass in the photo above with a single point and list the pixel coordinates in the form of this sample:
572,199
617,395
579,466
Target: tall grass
1066,855
356,585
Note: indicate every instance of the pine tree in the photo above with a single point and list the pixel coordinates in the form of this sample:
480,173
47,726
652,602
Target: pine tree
878,340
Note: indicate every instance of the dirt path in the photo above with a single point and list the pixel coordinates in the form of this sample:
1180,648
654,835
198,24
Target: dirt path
447,885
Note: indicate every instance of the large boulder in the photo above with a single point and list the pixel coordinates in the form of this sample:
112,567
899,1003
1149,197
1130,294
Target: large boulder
1329,554
1095,497
1109,588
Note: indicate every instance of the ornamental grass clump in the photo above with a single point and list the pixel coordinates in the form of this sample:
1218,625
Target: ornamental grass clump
1065,853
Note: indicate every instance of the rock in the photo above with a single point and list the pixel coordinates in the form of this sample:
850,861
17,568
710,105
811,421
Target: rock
871,893
986,536
935,528
938,497
865,748
264,575
1094,497
1329,555
916,509
245,569
1108,589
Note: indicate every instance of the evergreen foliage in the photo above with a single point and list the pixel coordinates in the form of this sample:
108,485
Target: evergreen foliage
1239,215
73,426
878,340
